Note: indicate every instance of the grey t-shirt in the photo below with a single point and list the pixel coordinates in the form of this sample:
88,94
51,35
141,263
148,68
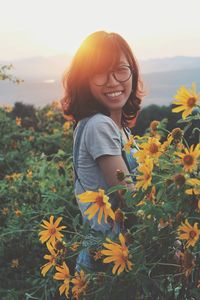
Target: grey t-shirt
100,136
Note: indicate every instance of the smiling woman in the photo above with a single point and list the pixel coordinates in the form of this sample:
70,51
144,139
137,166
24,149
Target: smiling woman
103,94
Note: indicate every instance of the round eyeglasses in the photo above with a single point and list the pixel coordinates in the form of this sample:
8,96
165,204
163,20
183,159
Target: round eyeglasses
121,74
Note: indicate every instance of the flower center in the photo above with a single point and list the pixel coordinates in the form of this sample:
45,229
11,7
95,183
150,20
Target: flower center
124,254
52,230
188,160
192,234
191,102
153,148
99,201
147,176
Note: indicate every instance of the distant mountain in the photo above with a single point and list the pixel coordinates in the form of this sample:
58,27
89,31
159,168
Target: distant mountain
44,68
169,64
42,79
162,86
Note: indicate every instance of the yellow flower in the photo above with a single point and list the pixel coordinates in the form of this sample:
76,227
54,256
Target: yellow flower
189,233
13,176
186,100
49,114
18,121
8,108
151,149
194,182
128,146
29,174
5,211
118,254
140,155
189,157
52,231
31,138
52,260
144,180
101,205
97,255
56,105
66,126
80,284
15,263
18,213
75,246
63,274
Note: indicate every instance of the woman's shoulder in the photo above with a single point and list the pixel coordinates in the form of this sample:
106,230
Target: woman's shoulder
101,121
100,125
100,118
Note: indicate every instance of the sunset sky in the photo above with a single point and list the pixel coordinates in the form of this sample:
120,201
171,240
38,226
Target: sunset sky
153,28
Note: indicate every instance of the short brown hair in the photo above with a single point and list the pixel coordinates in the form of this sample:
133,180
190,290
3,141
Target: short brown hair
97,53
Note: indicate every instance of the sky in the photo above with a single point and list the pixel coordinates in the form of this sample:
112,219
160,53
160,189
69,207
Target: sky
153,28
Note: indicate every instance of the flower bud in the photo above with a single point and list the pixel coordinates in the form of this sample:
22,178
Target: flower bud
120,175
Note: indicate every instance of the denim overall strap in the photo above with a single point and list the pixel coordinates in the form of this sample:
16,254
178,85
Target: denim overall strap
124,153
76,147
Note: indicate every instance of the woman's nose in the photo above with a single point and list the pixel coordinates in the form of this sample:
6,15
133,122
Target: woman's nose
111,80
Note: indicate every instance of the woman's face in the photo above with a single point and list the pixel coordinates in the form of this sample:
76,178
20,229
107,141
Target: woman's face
112,93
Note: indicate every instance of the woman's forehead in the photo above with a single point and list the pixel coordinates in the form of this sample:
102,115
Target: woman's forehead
112,60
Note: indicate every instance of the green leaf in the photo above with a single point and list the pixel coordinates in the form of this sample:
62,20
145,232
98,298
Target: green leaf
116,188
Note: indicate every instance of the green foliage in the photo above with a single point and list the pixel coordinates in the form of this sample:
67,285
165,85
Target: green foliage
37,181
4,75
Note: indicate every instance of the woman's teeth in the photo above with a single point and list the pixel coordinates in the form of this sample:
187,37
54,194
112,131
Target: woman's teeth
115,94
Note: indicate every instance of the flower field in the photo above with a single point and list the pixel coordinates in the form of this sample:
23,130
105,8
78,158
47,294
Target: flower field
156,255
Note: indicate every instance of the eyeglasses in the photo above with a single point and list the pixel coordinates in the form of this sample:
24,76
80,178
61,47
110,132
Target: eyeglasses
121,74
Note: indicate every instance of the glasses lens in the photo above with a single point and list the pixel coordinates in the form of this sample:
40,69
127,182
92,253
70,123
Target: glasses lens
100,79
122,73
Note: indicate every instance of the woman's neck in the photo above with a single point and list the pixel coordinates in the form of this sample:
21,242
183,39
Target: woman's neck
116,116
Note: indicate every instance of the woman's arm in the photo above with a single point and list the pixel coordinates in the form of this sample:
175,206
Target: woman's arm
109,164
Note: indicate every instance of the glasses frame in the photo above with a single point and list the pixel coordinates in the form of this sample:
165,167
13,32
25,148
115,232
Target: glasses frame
113,73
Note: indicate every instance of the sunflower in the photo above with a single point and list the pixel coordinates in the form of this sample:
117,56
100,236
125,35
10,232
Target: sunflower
18,121
101,205
14,263
63,274
186,100
189,233
118,254
75,246
151,149
52,231
8,108
144,180
80,284
66,126
148,197
51,258
194,183
189,157
129,145
140,156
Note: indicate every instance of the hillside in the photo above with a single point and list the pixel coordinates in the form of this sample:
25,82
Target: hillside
42,79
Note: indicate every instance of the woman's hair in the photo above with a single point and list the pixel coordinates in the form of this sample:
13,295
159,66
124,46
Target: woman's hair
98,52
